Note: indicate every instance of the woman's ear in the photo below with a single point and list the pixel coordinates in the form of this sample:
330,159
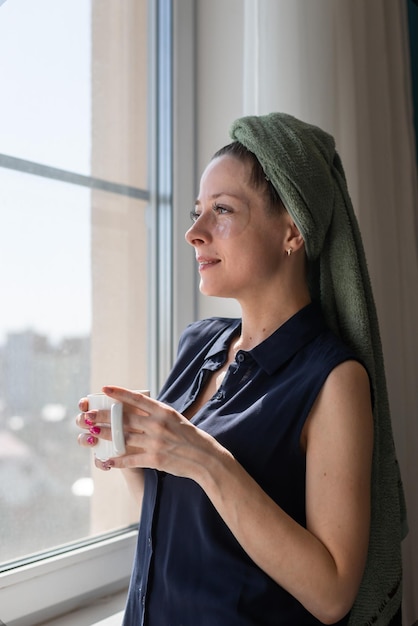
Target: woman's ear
294,240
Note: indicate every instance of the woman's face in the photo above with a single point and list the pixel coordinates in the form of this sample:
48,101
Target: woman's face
239,245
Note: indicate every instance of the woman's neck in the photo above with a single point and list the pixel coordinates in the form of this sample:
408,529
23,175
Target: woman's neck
261,321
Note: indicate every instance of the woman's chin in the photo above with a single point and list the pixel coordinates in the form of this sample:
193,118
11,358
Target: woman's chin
210,290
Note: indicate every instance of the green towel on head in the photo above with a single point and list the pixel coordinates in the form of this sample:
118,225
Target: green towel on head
301,162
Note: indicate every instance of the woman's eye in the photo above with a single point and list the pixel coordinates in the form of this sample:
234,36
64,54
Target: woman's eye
217,208
220,210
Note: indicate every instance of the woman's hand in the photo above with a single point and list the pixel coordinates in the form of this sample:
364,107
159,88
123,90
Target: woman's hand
93,424
156,436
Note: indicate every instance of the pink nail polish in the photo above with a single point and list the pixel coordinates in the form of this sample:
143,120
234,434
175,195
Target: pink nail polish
95,430
88,421
91,440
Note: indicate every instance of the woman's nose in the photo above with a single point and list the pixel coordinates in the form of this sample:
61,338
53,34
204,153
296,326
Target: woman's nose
198,232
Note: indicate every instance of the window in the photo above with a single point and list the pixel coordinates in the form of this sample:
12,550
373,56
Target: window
85,200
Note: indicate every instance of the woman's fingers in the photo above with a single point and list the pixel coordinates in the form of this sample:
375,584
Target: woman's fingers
87,440
83,404
86,420
133,398
156,436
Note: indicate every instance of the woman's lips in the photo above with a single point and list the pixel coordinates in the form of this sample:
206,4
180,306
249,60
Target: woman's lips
205,263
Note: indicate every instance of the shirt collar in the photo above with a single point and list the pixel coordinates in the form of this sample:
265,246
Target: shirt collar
221,344
284,343
289,338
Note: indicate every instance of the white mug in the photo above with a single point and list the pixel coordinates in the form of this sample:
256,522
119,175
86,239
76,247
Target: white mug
105,449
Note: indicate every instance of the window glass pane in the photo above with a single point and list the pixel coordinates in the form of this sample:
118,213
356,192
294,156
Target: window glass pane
74,88
45,251
73,272
44,361
45,50
74,262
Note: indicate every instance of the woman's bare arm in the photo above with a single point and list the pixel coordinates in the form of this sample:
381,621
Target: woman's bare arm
135,480
321,565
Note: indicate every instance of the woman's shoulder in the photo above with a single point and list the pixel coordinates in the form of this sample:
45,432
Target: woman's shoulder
212,323
205,330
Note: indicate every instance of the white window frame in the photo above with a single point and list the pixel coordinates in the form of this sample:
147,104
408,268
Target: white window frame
36,592
45,588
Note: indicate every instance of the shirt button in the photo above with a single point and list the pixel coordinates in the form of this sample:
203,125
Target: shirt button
240,357
219,395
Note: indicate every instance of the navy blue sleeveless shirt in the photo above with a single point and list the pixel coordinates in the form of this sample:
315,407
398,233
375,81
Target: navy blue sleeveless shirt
189,569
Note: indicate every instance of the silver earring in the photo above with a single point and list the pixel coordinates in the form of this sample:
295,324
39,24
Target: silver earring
289,251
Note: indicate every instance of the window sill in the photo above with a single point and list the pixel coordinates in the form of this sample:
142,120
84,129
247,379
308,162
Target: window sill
107,611
66,582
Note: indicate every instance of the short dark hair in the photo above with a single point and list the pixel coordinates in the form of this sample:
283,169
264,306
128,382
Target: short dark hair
258,179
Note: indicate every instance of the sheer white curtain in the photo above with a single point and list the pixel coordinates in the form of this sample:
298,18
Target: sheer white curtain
343,64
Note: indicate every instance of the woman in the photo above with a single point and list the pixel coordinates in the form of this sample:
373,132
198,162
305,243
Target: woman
269,447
